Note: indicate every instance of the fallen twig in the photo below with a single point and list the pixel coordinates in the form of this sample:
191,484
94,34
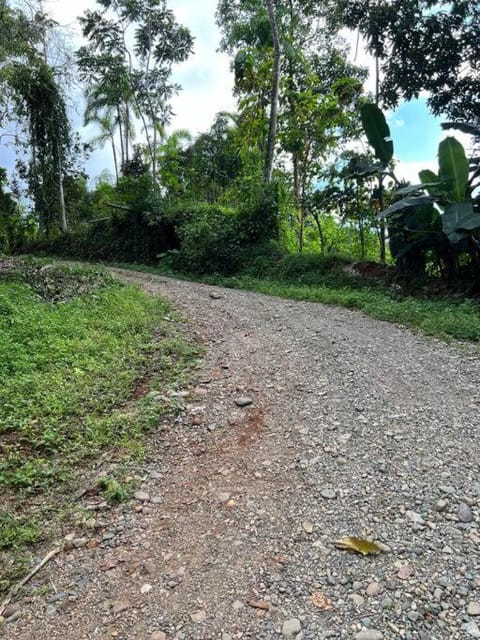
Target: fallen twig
22,583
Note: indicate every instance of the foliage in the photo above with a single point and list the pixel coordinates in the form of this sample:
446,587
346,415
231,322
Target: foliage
442,209
69,370
113,490
210,242
423,45
132,45
16,531
317,90
36,102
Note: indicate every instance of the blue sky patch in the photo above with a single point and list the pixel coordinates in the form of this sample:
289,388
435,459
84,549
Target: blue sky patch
415,131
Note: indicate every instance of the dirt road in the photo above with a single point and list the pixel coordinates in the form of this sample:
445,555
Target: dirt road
350,427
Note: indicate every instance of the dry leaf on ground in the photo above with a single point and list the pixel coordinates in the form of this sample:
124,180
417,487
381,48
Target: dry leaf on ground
350,543
321,601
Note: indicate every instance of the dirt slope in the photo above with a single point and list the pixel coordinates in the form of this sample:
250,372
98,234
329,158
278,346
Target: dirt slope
356,427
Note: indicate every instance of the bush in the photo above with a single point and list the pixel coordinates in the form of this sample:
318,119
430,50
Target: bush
209,242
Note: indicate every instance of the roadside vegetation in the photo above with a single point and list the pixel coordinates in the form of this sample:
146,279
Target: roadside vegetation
84,360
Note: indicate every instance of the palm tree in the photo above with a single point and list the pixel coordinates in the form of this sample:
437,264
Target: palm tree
112,103
106,123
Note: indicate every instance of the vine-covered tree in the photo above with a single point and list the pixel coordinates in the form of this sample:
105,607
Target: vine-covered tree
33,101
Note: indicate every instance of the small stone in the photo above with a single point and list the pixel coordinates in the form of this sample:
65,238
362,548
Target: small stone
157,500
223,497
291,627
146,588
448,489
11,610
16,616
158,635
437,594
237,605
120,605
243,401
328,494
369,634
79,543
308,527
471,629
441,505
199,616
141,496
357,599
216,296
464,513
373,589
57,597
51,610
473,609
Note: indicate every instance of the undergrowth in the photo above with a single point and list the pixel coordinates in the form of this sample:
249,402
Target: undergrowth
75,345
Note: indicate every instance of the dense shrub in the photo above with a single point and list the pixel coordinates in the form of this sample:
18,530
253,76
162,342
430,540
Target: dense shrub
209,242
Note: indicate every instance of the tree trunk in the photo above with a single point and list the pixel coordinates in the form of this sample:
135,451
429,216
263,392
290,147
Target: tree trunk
361,230
120,133
301,232
154,155
383,242
127,132
63,213
272,128
114,152
321,235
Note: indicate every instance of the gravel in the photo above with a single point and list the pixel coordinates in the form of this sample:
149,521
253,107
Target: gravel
358,428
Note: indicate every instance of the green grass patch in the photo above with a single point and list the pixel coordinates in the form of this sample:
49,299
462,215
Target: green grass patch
80,354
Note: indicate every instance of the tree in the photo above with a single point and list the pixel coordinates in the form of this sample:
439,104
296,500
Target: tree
34,101
214,161
423,45
284,49
132,45
272,123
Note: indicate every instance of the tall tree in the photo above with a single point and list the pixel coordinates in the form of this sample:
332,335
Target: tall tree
132,45
33,99
423,45
272,124
306,66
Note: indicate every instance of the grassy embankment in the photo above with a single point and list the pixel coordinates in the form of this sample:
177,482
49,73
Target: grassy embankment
81,356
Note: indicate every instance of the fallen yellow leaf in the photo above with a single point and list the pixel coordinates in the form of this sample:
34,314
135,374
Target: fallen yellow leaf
350,543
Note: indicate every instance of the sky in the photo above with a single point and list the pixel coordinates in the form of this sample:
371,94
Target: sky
207,84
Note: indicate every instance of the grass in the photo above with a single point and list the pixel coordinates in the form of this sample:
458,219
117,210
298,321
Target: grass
76,344
315,279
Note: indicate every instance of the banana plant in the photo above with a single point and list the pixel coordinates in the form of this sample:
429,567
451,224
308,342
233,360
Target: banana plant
451,190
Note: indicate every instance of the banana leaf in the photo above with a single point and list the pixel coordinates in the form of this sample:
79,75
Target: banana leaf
453,168
459,218
377,131
406,203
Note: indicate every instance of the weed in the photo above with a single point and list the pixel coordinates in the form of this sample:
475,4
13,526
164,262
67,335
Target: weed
113,490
